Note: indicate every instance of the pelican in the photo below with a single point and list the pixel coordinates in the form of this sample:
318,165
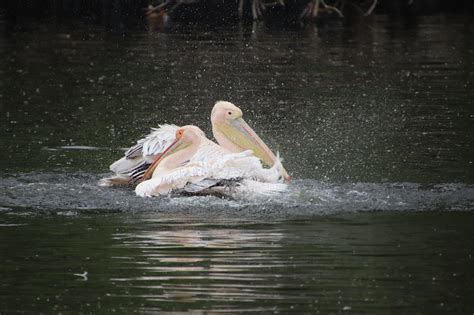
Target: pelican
192,163
229,129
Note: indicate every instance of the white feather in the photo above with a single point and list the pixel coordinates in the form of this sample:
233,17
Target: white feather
176,179
228,166
251,188
114,181
157,141
142,153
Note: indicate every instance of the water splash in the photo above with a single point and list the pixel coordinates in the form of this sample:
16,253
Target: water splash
78,193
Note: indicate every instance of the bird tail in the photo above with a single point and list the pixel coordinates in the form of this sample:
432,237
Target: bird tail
115,181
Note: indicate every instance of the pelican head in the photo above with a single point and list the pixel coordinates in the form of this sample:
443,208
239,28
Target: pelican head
233,133
181,150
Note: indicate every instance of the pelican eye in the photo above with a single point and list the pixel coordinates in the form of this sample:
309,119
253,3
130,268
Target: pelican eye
229,113
179,133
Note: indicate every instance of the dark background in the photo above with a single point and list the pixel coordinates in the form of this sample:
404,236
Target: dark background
125,14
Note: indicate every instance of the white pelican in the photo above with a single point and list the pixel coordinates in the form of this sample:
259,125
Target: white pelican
229,129
193,163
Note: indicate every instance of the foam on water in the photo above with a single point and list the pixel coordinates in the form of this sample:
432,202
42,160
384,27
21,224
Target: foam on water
79,193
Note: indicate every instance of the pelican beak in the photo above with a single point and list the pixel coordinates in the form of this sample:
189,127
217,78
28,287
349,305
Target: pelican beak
176,146
240,133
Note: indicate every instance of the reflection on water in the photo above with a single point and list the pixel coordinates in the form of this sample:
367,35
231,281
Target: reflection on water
203,253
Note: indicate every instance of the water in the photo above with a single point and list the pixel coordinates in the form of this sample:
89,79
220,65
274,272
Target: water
374,120
368,263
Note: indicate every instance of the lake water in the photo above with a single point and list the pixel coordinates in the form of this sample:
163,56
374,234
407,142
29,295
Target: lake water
375,121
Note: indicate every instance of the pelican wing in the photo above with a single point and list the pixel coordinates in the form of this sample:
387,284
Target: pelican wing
137,159
157,141
153,144
176,179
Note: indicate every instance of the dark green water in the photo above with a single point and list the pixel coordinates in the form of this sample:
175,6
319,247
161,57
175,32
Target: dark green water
374,121
365,263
